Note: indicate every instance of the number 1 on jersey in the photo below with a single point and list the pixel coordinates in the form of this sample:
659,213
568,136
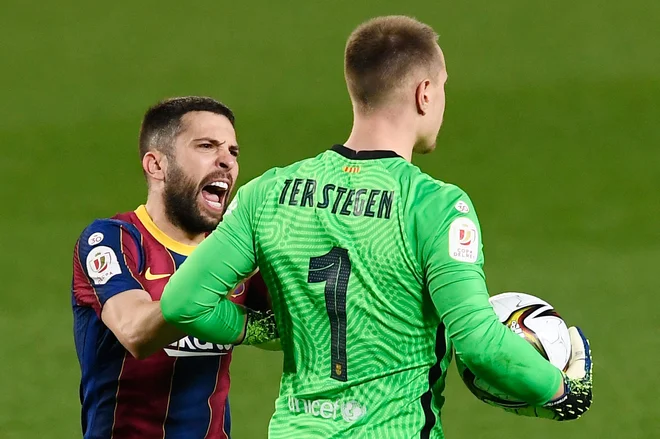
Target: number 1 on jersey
334,268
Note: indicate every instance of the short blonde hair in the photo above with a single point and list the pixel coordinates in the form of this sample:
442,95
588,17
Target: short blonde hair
382,52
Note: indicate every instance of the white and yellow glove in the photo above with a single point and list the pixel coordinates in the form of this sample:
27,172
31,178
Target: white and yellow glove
578,385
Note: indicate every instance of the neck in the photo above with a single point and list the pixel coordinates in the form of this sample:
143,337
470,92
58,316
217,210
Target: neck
382,131
156,210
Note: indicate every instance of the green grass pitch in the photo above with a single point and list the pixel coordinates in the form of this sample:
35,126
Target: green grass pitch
551,127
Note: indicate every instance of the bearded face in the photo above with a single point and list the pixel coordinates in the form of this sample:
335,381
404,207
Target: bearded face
193,205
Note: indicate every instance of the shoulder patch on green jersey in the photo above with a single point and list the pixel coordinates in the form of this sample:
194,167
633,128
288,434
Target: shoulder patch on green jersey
444,226
463,240
462,207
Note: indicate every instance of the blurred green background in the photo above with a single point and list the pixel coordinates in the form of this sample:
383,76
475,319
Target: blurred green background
551,127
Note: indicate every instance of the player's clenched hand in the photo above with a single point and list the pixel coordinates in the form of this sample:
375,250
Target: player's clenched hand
578,384
260,327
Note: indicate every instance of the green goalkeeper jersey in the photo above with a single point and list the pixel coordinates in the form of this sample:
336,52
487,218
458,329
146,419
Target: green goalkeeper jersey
375,272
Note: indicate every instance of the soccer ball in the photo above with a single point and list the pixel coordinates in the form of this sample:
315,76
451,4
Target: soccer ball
536,321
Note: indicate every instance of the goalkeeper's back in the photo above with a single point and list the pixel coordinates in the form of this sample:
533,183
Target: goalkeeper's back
340,240
372,265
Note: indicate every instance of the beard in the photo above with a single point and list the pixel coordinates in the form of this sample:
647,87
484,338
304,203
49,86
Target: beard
181,204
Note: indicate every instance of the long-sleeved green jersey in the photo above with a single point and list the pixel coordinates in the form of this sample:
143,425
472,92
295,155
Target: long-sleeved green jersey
375,272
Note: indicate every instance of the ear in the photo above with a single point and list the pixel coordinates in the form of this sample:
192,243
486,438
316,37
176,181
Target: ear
422,96
154,164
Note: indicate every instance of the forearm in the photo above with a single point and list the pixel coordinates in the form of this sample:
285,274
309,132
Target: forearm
195,298
505,360
489,349
151,332
204,315
138,323
209,315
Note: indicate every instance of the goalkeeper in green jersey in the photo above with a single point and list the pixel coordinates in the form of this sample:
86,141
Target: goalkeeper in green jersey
375,268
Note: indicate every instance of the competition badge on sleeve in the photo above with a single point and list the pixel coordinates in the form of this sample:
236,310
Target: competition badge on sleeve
102,265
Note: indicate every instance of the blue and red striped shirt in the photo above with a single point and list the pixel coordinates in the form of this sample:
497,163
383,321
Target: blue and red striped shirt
180,392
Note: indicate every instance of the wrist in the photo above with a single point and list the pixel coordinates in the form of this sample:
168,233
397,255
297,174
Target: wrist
259,328
561,391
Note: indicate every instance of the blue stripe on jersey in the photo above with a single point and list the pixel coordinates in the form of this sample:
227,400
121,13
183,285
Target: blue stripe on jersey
112,238
98,385
188,415
137,238
227,419
178,259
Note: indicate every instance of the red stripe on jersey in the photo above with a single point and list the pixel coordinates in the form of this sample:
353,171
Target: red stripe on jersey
217,401
83,290
143,397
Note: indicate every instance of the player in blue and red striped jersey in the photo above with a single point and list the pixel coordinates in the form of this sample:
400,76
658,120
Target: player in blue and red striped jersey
141,378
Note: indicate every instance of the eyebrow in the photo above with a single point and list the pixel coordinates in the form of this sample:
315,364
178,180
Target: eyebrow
214,141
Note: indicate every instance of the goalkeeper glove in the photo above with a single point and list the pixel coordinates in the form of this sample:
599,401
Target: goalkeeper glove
577,396
259,327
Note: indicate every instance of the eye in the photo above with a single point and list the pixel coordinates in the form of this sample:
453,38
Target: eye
206,145
234,152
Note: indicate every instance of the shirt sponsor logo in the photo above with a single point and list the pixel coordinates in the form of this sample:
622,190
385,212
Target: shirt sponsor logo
194,347
95,238
348,411
463,240
102,265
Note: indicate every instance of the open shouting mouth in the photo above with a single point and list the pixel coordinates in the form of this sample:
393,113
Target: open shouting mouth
215,194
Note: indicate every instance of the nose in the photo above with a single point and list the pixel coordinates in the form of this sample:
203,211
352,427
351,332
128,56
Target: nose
226,160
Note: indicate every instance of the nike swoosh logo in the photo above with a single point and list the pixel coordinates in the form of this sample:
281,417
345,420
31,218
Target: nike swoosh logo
149,276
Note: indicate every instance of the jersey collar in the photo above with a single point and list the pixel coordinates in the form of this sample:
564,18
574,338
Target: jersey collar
175,246
364,155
